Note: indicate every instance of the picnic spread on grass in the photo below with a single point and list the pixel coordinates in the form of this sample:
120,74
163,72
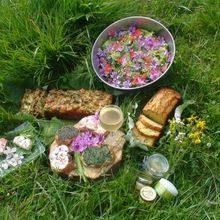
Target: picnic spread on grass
92,146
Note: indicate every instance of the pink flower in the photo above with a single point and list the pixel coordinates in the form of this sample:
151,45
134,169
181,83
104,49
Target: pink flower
3,143
111,33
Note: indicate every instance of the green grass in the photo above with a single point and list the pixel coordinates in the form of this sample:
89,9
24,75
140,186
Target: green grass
48,43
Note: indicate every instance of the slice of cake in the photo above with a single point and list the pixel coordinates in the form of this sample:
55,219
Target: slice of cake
150,124
149,141
161,105
147,131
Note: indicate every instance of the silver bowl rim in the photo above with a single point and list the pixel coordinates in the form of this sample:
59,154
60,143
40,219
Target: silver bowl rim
138,87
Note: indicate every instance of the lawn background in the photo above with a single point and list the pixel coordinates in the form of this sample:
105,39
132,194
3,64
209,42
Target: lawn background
48,43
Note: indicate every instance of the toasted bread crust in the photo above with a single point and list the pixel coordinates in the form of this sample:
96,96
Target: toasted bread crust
161,105
150,123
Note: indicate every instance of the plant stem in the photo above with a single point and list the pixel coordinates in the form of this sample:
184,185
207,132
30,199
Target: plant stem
80,167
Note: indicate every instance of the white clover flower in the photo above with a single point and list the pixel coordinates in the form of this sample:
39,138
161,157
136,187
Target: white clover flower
5,165
180,137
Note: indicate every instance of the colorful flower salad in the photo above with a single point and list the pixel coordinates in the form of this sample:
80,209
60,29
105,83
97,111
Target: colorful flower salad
133,57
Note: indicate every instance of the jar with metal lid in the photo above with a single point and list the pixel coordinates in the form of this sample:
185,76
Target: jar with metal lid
147,194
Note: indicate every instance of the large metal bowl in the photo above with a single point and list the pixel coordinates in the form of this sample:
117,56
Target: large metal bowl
123,24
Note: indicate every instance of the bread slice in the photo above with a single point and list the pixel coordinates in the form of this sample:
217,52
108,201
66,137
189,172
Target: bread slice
56,165
161,105
149,141
147,131
149,123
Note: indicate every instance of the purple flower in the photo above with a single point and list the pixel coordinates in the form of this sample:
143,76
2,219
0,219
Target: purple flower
102,72
103,61
161,40
132,29
116,82
87,139
127,84
100,53
137,67
114,75
120,34
120,49
170,57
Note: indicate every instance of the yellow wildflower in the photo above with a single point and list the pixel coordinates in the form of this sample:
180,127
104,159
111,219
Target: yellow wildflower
195,134
191,135
200,124
191,118
197,141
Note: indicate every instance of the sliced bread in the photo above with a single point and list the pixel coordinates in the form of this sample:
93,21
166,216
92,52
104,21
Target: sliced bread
161,105
149,141
147,131
150,124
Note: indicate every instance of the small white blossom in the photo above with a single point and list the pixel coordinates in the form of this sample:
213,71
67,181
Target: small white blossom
5,166
12,158
180,137
9,152
209,145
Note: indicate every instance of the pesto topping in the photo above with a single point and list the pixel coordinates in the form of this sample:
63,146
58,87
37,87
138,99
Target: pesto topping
67,132
97,155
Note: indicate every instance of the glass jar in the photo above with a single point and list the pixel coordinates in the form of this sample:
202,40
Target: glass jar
155,167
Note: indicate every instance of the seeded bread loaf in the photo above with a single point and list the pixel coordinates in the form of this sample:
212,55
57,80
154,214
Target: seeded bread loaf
150,123
33,102
69,104
149,141
161,105
75,104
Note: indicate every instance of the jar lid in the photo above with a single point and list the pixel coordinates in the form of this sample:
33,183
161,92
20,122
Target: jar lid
147,193
169,186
